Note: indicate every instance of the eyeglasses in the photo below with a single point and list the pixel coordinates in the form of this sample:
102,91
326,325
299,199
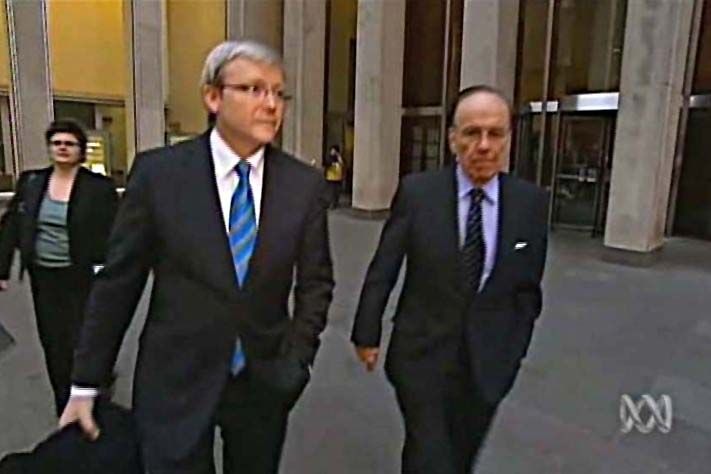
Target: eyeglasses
66,143
258,92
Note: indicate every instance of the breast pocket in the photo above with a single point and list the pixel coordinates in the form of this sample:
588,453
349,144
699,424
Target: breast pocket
515,261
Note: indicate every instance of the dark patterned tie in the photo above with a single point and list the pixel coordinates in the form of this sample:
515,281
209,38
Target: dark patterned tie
474,249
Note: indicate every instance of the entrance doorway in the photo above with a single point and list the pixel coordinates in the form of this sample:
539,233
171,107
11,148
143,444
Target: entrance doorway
693,211
577,170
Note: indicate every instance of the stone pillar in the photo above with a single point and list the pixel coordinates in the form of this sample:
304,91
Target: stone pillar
304,59
260,20
146,91
380,44
488,45
31,106
655,48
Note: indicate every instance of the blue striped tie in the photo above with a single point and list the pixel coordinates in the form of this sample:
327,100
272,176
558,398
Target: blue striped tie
243,236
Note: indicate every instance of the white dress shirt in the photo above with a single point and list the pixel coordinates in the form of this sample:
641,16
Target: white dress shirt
224,160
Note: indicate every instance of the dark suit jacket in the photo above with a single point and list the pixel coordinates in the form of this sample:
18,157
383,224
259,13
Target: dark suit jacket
92,206
436,311
170,222
68,451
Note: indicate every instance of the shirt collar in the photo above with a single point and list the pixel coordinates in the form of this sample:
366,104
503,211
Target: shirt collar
465,186
225,159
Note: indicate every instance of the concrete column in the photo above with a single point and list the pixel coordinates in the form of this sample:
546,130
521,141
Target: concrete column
655,48
146,91
31,98
488,47
304,58
380,44
261,20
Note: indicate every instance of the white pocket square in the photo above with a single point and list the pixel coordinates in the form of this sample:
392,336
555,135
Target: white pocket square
520,245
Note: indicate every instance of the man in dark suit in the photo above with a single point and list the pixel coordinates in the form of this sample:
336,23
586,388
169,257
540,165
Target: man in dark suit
228,224
475,242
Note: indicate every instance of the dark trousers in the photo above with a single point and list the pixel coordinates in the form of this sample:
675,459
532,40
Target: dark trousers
252,420
59,296
335,192
446,422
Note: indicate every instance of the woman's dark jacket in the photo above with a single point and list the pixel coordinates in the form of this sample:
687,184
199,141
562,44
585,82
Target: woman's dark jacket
92,206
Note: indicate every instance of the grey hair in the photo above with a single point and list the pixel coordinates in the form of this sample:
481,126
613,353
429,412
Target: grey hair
228,51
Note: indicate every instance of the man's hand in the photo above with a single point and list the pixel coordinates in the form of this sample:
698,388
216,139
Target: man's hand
80,409
4,285
368,355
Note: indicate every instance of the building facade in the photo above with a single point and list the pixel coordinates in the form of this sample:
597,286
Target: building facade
613,97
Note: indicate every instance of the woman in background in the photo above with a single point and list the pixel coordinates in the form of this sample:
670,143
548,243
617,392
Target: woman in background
333,165
59,219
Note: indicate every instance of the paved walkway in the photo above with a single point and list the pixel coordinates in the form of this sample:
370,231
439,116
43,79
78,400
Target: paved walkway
606,330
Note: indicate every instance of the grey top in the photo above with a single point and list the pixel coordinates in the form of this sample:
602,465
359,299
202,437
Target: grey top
52,241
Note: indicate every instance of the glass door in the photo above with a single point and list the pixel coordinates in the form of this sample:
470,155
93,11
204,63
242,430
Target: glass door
690,203
693,207
525,157
568,74
582,171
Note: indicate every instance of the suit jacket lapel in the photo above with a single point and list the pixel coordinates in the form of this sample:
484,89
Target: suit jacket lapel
34,192
77,197
507,226
451,233
450,230
200,210
274,196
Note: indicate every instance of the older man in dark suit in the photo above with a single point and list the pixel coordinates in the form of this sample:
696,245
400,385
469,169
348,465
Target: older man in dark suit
475,242
228,224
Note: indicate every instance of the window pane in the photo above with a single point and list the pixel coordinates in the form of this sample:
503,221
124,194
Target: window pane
204,22
532,51
588,50
693,209
88,68
424,53
702,72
